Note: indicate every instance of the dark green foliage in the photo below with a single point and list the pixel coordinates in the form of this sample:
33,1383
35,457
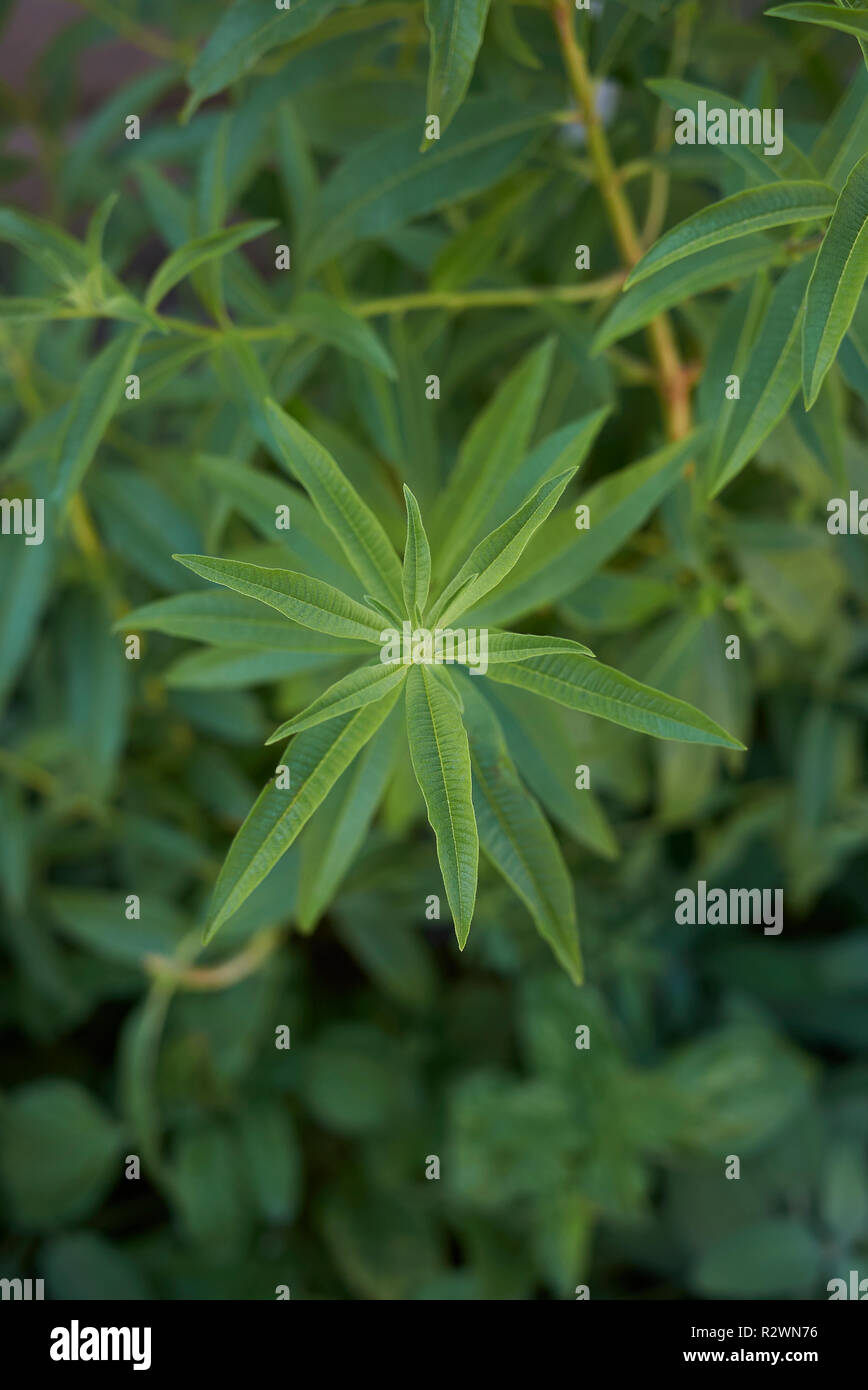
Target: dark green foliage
288,1083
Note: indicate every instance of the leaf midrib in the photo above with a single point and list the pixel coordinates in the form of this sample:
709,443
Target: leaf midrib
440,764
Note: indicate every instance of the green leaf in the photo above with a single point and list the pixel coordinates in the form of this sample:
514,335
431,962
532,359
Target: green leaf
198,252
494,557
26,573
316,759
211,206
95,920
343,820
520,646
307,601
59,255
441,761
586,685
755,210
245,33
849,21
59,1154
837,281
96,229
506,34
361,687
770,380
416,576
96,398
386,183
258,495
694,274
791,163
392,616
853,357
567,447
206,1187
453,593
545,754
329,321
229,619
490,452
844,137
396,958
561,557
20,309
237,667
364,542
96,688
516,836
615,601
456,28
272,1159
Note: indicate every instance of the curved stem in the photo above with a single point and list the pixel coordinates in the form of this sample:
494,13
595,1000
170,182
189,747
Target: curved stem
492,299
672,384
208,977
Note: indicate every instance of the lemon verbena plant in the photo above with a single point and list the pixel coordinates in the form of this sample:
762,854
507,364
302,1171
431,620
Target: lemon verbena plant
460,756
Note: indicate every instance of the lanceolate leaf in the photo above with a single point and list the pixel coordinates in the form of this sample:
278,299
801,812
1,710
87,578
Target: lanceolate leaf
790,163
199,252
417,559
755,210
456,28
490,452
546,757
328,321
230,619
770,380
96,398
516,836
849,21
25,579
238,668
567,447
63,258
258,496
393,617
441,762
492,560
582,684
361,687
520,646
20,309
694,274
837,281
315,759
305,600
844,137
348,811
452,595
385,184
365,543
561,557
246,32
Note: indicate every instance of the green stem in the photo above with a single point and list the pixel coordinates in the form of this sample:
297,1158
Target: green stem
520,296
673,387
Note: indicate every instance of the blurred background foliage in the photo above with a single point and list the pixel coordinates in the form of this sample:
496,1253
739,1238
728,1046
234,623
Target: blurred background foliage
306,1167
